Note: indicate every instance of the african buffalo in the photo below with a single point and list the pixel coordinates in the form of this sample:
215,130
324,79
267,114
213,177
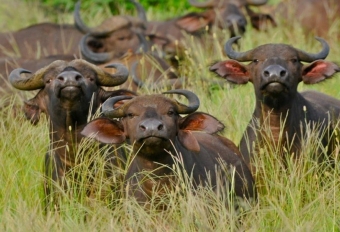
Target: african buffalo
170,34
317,17
69,92
116,34
40,40
156,71
275,71
159,135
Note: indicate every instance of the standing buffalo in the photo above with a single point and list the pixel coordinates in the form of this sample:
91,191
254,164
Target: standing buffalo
159,135
275,71
69,92
40,40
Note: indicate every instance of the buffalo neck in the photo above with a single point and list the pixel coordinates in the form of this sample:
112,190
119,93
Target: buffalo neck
153,174
65,127
282,121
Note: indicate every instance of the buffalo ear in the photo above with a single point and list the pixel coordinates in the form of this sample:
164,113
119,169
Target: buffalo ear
32,111
197,122
232,71
193,22
318,71
105,130
201,122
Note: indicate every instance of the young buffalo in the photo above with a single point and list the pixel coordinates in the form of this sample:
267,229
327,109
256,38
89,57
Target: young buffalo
159,135
275,71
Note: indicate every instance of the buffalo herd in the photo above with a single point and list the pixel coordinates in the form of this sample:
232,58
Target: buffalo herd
90,81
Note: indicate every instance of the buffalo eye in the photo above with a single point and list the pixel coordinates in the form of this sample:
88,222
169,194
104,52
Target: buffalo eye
294,60
48,81
130,115
171,113
121,38
255,61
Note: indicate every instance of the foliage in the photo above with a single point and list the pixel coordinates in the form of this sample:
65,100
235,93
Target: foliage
301,196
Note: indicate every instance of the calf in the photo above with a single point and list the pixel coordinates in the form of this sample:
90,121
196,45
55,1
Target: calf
159,135
66,92
275,71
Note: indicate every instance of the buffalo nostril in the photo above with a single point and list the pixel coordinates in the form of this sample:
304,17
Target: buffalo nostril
60,78
266,73
160,127
283,73
78,77
143,128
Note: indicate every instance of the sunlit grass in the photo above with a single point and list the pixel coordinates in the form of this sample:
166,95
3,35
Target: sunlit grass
293,196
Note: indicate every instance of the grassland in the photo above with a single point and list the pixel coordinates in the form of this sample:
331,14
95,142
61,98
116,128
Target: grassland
305,196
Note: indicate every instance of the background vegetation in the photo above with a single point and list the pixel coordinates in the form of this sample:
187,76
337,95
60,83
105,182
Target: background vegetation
303,197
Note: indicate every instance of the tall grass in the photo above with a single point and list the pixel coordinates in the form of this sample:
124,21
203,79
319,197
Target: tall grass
298,196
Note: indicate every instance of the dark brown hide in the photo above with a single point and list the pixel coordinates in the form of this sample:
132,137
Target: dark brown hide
40,40
67,90
159,136
275,71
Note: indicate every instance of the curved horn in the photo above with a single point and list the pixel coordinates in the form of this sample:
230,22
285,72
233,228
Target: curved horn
310,57
107,79
33,82
207,4
256,2
81,26
30,83
140,10
91,56
78,22
108,109
239,56
193,104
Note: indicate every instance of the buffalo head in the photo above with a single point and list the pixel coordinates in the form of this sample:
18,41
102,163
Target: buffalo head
151,123
275,70
66,86
229,13
116,34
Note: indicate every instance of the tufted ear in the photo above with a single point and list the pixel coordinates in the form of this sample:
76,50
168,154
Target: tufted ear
197,122
32,111
318,71
231,70
105,130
